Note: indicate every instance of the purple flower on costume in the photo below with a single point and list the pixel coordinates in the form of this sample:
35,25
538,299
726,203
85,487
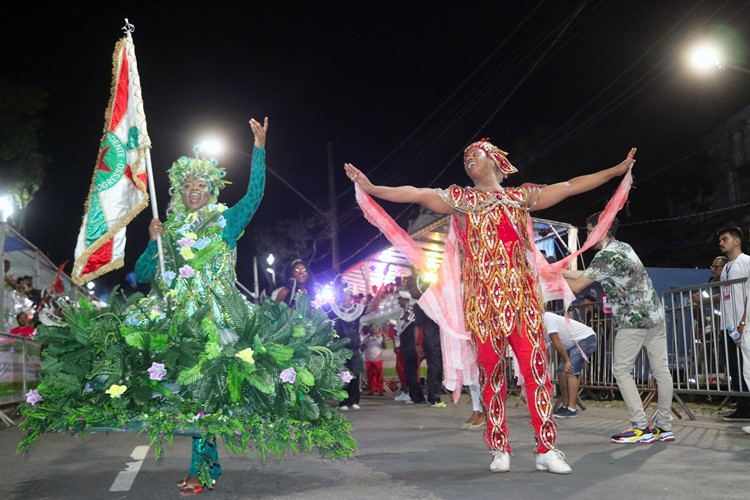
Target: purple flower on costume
157,371
169,277
201,414
288,375
186,271
33,397
346,377
87,388
186,242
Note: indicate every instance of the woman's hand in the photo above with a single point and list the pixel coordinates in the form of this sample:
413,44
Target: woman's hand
357,177
155,228
567,367
259,131
626,164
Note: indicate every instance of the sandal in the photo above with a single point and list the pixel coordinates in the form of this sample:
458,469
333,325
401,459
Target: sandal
191,489
190,486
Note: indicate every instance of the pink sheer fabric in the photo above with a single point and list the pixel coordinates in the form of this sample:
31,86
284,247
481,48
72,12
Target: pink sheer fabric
553,284
399,238
443,300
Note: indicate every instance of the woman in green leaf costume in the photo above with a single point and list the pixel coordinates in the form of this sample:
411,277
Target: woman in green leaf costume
194,357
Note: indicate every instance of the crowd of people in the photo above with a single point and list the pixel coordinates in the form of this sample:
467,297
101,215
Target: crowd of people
412,334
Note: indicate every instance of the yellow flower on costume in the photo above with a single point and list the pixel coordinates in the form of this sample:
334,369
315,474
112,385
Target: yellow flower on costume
187,253
191,235
246,355
115,391
222,207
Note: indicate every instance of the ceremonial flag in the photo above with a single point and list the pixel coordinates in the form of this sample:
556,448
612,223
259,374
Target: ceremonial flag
119,186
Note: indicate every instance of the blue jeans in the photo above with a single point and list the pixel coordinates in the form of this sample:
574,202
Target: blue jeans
588,346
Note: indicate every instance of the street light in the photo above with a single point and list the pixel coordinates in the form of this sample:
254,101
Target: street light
212,146
6,207
270,260
90,285
706,57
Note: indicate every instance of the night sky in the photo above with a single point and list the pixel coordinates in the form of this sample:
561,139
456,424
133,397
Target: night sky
398,89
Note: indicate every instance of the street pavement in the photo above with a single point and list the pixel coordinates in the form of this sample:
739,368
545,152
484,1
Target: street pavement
405,452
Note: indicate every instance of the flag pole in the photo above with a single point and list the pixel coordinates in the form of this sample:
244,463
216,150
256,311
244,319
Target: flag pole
154,208
129,29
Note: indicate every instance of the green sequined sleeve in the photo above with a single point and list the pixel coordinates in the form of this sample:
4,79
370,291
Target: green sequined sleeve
238,217
147,263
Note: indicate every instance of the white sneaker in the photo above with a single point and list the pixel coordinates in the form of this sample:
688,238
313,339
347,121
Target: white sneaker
402,397
343,408
553,461
501,462
746,429
355,406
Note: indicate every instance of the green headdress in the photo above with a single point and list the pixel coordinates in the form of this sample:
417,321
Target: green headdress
198,167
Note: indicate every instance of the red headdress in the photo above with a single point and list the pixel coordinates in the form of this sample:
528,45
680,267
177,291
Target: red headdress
497,155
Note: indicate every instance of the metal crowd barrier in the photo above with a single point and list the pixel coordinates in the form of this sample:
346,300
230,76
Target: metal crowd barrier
704,360
702,357
20,364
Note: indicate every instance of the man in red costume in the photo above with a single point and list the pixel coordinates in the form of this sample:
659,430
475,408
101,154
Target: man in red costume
502,303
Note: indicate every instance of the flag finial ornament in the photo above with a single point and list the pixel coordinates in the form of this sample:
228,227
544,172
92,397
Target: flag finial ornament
128,28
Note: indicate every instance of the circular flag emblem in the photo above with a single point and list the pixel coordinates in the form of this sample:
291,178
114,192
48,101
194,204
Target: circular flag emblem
112,163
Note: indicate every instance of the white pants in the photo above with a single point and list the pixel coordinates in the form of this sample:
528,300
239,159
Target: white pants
745,349
628,344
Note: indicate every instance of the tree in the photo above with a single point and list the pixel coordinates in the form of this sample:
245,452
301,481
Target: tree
21,159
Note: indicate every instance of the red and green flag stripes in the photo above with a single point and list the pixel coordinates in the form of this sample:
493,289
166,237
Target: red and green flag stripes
119,186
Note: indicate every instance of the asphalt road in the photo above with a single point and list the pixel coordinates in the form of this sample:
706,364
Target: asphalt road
405,452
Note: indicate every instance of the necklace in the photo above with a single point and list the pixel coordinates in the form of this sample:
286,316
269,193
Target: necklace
728,268
491,200
348,314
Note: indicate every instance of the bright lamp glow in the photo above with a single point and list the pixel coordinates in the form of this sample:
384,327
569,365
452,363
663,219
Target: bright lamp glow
6,207
212,146
386,255
430,277
90,285
705,57
326,293
432,263
270,259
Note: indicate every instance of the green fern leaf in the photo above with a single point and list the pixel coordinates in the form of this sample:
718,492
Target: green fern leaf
261,381
189,376
278,352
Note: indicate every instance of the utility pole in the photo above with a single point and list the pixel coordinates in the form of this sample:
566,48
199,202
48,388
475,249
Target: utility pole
332,212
